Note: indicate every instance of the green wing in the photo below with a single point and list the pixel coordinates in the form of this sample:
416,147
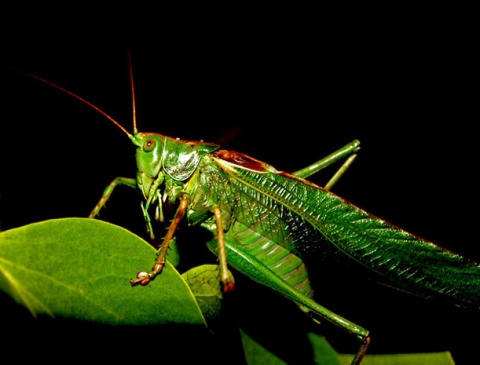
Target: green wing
268,208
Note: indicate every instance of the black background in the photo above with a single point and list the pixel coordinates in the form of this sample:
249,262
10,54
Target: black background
286,91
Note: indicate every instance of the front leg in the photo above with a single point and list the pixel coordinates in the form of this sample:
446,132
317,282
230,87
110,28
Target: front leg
109,190
144,277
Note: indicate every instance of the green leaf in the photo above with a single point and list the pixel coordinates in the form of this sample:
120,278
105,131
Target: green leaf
434,358
322,352
204,282
80,268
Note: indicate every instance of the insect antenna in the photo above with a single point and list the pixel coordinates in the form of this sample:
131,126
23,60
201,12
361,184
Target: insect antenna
91,105
134,113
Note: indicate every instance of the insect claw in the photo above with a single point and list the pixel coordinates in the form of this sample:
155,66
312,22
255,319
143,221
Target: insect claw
143,278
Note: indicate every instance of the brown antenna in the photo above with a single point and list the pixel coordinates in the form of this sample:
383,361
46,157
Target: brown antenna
91,105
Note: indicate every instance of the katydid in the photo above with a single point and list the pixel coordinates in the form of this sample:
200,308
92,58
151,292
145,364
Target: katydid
263,220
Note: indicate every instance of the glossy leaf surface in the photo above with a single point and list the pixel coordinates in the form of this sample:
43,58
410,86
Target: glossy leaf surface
80,268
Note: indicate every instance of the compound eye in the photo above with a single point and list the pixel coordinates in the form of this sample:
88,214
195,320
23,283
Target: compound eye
149,145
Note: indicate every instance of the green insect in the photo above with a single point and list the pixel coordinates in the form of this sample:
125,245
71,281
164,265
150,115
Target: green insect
263,221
